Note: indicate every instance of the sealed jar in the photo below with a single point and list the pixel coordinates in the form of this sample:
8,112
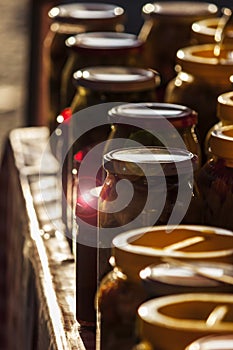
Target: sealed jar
121,291
224,114
66,20
145,186
146,124
203,32
213,342
95,49
167,28
201,78
215,180
175,321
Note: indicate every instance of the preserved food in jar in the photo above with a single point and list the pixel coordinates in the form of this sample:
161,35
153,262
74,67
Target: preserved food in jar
67,20
215,180
143,123
202,77
95,49
121,292
167,28
141,189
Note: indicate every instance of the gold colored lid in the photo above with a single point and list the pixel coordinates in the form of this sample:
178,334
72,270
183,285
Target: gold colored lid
173,322
225,106
136,249
204,31
200,61
221,142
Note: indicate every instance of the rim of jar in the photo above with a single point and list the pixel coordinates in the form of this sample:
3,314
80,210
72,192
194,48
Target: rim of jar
205,30
154,317
116,78
135,249
104,43
225,106
150,113
153,161
199,60
179,11
221,142
212,342
83,13
172,275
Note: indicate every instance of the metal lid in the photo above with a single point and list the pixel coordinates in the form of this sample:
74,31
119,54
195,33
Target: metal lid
78,12
104,41
150,161
183,10
152,113
116,78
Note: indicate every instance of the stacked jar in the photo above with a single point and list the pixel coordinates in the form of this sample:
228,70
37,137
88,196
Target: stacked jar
95,85
67,20
167,28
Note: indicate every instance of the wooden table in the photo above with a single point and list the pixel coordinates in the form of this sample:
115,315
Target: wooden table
38,292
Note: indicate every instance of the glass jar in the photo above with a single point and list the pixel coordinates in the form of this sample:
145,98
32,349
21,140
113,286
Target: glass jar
203,32
134,121
145,186
103,48
201,78
167,28
67,20
213,342
173,322
121,291
224,114
215,180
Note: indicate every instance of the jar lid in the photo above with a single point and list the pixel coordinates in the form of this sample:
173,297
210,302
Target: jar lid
137,249
200,61
179,116
116,78
172,278
175,321
213,342
185,11
104,42
225,106
79,12
221,142
205,29
152,161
